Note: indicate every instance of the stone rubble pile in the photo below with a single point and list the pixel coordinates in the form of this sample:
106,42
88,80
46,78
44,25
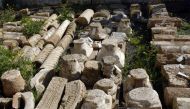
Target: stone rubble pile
92,59
172,57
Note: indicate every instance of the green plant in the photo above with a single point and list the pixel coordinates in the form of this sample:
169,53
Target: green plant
7,15
31,27
13,60
141,55
185,29
64,13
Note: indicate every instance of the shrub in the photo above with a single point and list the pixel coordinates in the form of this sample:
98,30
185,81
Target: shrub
141,55
13,60
185,29
31,27
64,13
7,15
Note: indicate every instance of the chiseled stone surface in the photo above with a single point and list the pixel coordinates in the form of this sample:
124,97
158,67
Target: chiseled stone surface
13,80
170,93
143,97
75,91
97,99
170,72
91,73
72,66
136,78
53,93
181,103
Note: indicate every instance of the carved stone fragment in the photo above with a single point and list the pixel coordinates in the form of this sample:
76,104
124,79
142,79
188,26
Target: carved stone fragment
110,48
97,99
13,80
53,93
41,57
32,41
136,78
72,66
143,97
53,58
75,91
56,37
85,17
83,46
109,87
11,44
91,73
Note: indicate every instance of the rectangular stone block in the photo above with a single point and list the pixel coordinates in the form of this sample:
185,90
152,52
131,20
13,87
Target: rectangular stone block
53,94
159,43
168,37
171,58
170,74
166,20
181,103
170,93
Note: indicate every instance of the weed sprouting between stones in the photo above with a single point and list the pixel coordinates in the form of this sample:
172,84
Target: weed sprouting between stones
31,27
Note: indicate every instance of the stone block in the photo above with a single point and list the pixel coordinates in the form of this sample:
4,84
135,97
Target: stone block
170,93
170,74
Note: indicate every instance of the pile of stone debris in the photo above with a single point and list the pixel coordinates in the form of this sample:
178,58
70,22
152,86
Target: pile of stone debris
90,51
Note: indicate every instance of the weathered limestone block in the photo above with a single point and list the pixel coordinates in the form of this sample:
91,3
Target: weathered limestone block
10,44
121,39
102,13
72,66
41,57
39,79
170,73
12,27
38,18
71,29
14,36
159,43
124,26
53,58
53,93
134,10
32,41
136,78
181,103
97,99
55,38
143,98
5,103
163,20
83,46
109,87
97,45
29,100
108,63
91,73
40,44
172,58
16,100
13,80
110,48
31,53
164,30
97,32
93,55
65,41
163,37
69,35
85,17
156,7
110,70
49,33
75,91
170,93
45,14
